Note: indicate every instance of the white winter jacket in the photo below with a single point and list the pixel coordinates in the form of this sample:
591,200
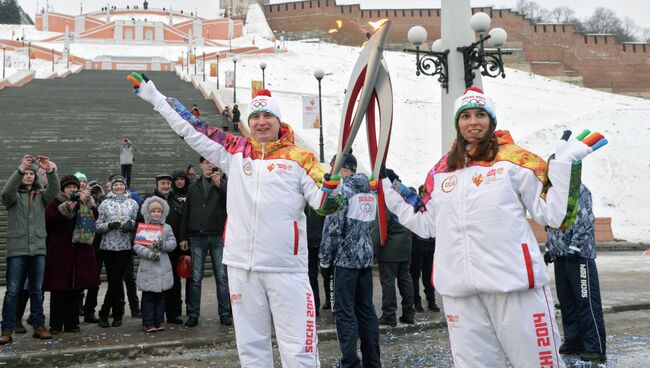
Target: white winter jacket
268,185
484,243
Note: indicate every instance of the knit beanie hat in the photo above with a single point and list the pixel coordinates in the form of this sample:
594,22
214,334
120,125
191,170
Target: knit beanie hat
153,205
474,98
81,176
69,180
118,179
264,102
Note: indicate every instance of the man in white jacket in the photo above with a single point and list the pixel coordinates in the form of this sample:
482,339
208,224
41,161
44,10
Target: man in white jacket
270,178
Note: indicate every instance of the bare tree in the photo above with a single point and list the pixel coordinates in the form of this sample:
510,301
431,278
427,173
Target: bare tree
603,20
563,14
629,30
645,35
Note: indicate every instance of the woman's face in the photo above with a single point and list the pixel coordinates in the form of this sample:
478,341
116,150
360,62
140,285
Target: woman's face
119,188
180,182
474,125
69,189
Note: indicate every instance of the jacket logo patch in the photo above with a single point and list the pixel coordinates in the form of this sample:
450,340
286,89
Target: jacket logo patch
493,175
270,167
449,184
477,179
284,168
452,319
248,169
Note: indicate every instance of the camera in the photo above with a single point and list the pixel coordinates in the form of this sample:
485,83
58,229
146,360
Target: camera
75,197
216,170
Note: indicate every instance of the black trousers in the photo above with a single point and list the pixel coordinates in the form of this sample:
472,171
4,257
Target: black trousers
131,287
64,309
388,273
173,301
116,265
312,267
126,173
91,295
421,268
578,292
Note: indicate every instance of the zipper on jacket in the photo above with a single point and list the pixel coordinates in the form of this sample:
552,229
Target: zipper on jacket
466,252
255,212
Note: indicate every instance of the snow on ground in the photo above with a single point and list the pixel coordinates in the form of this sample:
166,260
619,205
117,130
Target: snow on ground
535,109
136,16
31,34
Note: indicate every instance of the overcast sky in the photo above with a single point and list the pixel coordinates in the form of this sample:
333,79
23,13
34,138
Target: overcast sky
639,10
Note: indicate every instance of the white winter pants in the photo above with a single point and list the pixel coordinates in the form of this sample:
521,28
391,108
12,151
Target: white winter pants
258,298
486,329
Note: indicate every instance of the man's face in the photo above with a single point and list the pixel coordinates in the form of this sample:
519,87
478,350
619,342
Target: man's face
164,186
345,172
206,168
264,127
28,178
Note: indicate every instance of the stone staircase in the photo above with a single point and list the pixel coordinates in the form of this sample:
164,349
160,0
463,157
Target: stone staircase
79,121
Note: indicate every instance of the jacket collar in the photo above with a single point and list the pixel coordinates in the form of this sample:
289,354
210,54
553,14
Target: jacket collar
268,149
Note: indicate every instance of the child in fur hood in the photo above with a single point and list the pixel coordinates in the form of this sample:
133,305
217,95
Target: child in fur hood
155,270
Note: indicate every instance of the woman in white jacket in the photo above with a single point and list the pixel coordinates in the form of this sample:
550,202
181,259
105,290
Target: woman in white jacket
488,266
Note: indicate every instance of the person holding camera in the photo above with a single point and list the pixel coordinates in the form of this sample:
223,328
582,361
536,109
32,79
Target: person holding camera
202,225
70,264
97,192
126,159
117,222
25,200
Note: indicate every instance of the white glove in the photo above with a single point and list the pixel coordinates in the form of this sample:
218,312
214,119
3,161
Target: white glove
146,90
570,150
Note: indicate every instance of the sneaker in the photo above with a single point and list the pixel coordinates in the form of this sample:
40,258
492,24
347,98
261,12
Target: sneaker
160,328
407,320
6,337
387,321
226,320
40,332
103,322
20,328
192,322
434,308
418,308
593,357
150,328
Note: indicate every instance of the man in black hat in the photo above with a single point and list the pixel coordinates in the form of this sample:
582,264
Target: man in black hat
173,302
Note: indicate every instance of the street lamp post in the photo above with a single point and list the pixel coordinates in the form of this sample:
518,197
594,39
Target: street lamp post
263,67
182,61
52,60
3,62
319,74
234,81
217,70
203,68
29,56
195,61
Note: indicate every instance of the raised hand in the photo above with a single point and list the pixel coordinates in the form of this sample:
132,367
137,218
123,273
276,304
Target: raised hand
569,150
145,88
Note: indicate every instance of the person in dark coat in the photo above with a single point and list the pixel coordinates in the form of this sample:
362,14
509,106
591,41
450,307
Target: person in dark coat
70,267
97,192
314,234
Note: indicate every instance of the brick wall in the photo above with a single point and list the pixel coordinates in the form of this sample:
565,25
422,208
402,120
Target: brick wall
554,50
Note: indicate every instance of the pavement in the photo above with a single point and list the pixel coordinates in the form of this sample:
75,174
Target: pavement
624,278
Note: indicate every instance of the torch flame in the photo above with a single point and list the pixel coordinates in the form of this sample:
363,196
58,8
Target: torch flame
339,23
332,30
377,24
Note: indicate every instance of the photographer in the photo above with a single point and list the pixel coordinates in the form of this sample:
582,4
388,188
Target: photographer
70,264
202,223
126,159
97,192
25,200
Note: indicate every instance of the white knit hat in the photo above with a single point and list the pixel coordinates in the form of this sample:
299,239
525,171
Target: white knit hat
264,102
474,98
